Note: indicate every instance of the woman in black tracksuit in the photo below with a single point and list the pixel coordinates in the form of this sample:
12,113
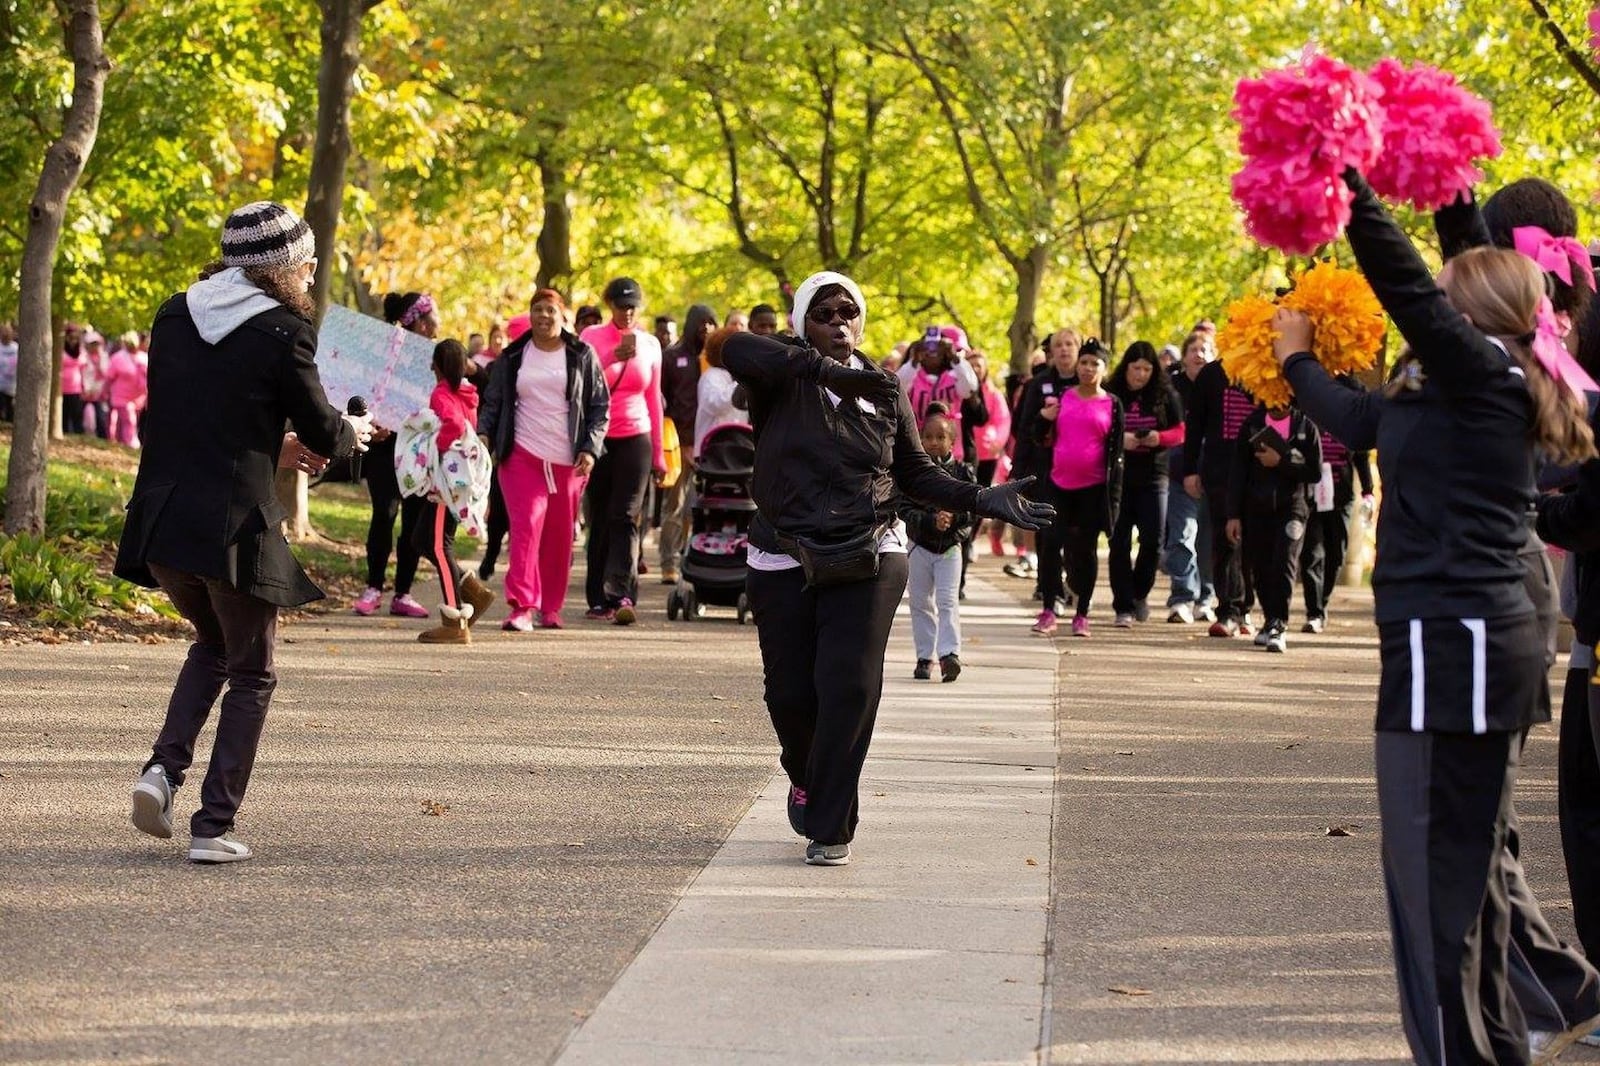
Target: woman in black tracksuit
1268,507
835,445
1463,664
1152,424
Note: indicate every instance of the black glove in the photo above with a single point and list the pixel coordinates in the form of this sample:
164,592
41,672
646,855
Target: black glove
874,386
1007,504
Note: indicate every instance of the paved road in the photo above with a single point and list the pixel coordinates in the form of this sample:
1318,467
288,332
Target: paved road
591,775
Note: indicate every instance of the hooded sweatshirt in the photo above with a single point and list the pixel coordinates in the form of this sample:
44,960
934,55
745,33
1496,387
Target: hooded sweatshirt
680,372
225,301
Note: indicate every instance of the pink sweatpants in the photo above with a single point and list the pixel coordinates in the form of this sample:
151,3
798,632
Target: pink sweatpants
125,424
542,504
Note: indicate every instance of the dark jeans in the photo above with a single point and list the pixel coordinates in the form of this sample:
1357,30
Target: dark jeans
822,660
1322,555
234,635
72,413
499,524
1274,528
1144,508
434,538
1073,540
616,501
1578,794
384,491
1235,594
7,407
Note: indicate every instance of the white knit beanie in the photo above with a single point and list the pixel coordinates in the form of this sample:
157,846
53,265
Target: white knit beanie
808,292
265,234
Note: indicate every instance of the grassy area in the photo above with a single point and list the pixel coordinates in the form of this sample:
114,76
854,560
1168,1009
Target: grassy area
65,576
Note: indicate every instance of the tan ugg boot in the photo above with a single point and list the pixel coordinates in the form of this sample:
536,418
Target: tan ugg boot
452,627
479,595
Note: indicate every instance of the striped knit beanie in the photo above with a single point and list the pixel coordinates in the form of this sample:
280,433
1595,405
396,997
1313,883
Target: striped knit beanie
265,234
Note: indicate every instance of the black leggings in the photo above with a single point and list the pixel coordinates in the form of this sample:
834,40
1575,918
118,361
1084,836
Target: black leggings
1075,534
1144,508
384,491
822,658
434,538
616,499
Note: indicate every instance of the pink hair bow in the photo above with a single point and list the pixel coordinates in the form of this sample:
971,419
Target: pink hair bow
1551,351
1556,255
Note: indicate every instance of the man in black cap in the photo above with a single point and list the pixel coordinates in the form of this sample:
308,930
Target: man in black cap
630,362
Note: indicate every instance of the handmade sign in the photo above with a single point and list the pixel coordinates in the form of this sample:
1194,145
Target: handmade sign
362,356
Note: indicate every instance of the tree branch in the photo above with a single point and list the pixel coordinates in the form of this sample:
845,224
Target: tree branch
1565,48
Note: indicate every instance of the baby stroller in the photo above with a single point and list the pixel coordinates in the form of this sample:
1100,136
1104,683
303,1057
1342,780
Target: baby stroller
720,511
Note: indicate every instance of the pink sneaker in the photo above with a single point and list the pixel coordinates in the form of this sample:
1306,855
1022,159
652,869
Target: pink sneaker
550,620
1046,624
407,607
1080,626
519,622
625,615
369,602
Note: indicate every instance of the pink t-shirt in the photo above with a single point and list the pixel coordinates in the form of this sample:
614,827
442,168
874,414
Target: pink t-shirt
635,386
1281,425
124,383
1080,454
542,405
71,375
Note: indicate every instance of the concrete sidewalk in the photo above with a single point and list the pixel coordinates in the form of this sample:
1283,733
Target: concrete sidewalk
929,947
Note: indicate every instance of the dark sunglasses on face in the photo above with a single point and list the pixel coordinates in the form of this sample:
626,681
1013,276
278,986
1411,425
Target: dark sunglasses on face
825,316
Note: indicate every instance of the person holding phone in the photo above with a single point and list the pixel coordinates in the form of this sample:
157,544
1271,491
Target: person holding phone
1277,459
630,362
1152,423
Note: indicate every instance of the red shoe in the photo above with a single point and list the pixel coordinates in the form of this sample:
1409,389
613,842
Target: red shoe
550,620
1225,627
600,614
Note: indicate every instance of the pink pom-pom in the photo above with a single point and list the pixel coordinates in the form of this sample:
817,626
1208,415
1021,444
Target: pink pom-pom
1433,130
1299,130
1296,206
1320,109
1594,31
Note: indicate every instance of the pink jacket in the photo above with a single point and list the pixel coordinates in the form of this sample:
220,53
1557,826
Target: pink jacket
635,386
124,383
993,434
457,410
71,375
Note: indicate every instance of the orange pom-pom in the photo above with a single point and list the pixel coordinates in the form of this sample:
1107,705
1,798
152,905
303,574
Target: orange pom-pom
1346,318
1244,344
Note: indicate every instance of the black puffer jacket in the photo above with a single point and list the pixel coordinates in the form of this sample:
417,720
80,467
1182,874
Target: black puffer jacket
824,472
922,525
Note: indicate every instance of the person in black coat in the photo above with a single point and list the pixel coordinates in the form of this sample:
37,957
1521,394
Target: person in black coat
836,444
231,361
680,386
1460,640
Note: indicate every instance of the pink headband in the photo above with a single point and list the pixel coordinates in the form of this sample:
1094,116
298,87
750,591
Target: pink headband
423,306
1554,255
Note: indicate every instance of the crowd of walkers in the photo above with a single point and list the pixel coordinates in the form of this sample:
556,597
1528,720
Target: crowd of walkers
869,477
104,384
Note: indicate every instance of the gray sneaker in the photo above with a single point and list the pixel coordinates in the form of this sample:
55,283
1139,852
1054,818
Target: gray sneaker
827,854
217,849
152,803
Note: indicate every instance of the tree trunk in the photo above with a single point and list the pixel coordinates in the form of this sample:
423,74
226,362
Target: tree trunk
1023,333
554,244
63,164
330,153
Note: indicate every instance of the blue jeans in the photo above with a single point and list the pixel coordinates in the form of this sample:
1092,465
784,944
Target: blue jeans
1188,524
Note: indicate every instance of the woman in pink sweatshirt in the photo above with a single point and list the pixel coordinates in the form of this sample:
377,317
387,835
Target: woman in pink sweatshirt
630,361
124,390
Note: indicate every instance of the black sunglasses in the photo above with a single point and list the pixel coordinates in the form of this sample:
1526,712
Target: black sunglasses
824,316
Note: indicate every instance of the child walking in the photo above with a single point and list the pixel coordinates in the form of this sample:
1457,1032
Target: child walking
440,459
937,540
1277,459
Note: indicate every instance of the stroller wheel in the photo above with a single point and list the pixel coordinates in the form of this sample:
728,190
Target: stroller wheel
744,608
673,606
692,607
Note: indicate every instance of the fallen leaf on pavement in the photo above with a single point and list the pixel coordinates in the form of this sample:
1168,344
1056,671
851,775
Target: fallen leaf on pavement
574,844
1124,753
434,809
1289,746
1339,831
1129,990
1033,862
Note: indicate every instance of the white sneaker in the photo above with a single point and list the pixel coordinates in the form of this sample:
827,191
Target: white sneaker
1276,640
152,803
1181,615
217,849
1207,613
1263,635
1123,621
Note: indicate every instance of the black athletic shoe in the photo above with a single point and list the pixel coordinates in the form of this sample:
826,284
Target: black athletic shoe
924,670
949,667
797,810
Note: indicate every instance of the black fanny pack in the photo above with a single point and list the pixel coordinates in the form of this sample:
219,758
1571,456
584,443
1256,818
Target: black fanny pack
835,563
